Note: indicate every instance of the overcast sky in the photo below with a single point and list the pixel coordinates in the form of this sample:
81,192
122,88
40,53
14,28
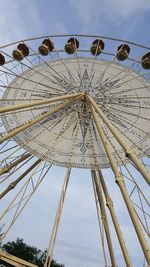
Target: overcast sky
78,242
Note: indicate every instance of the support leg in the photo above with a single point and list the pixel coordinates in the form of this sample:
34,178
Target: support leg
34,103
14,183
14,163
109,203
99,222
129,152
104,217
121,184
57,219
37,119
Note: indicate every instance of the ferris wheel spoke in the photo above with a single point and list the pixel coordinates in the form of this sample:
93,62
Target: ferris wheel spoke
123,134
111,78
79,67
100,78
130,113
65,79
129,90
129,122
41,74
135,97
72,78
66,125
12,73
67,83
92,68
131,79
39,91
128,106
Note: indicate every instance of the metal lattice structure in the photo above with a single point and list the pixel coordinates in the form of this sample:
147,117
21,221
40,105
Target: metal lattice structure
77,101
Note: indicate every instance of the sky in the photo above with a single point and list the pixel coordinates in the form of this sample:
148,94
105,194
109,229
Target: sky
78,242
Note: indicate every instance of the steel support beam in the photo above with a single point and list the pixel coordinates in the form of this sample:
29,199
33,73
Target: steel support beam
128,151
99,223
109,204
34,103
14,183
104,218
37,119
57,219
121,184
12,260
14,163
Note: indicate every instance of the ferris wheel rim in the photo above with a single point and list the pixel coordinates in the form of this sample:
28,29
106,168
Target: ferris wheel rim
77,35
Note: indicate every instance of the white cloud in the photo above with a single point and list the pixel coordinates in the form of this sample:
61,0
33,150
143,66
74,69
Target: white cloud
107,10
13,22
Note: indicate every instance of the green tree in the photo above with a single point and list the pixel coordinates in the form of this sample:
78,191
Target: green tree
31,254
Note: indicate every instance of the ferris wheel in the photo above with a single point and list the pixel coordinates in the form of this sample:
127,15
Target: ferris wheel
77,101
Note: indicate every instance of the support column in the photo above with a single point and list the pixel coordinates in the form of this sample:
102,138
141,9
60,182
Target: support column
128,151
104,218
12,260
14,163
99,222
34,103
121,184
57,219
14,183
109,203
37,119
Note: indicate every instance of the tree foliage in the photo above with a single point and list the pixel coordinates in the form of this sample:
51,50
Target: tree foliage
31,254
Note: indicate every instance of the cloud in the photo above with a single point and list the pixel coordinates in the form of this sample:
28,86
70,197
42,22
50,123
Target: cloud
12,24
99,13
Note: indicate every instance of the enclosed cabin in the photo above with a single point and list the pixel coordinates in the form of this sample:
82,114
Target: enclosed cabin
123,51
46,47
21,52
2,60
71,46
97,47
145,61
